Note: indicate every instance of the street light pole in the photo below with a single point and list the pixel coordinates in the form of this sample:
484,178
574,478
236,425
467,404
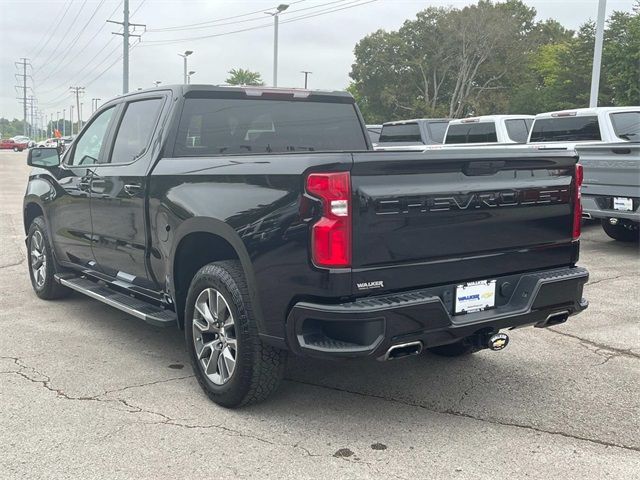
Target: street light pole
189,76
184,64
597,54
306,75
281,8
64,122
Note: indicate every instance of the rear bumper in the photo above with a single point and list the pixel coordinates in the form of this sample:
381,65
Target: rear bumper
601,206
369,326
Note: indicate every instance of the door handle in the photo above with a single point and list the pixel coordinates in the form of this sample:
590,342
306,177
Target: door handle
132,189
84,183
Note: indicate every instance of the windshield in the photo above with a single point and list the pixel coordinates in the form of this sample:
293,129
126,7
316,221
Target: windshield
223,126
565,129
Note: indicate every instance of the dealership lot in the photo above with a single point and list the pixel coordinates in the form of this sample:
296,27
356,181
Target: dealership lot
87,391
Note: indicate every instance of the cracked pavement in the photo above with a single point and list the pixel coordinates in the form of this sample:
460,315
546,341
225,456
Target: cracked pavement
88,392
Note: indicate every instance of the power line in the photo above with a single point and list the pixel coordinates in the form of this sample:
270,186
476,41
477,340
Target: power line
69,50
352,4
55,49
256,19
62,67
48,37
198,25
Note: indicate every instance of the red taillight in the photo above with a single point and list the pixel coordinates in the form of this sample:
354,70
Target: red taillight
331,235
577,203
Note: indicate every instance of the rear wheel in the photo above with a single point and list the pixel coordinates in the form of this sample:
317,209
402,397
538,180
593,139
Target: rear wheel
16,149
621,231
231,363
42,265
457,349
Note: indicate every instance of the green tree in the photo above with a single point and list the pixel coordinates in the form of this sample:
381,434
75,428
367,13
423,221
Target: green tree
240,76
492,58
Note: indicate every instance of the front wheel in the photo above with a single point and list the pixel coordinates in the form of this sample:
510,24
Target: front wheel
229,360
16,149
42,265
621,232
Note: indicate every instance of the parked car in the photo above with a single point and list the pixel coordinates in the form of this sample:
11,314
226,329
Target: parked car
412,134
49,142
374,132
299,239
587,125
488,129
607,140
11,144
24,139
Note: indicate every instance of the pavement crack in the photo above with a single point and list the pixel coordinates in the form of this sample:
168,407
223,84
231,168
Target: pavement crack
473,417
608,279
613,351
9,265
141,385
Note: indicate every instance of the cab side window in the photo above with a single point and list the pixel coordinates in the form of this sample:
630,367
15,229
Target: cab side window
135,130
89,146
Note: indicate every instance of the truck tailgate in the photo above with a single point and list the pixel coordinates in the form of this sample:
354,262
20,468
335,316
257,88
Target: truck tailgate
611,169
459,215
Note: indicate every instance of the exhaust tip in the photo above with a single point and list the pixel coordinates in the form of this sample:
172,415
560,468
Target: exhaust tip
403,350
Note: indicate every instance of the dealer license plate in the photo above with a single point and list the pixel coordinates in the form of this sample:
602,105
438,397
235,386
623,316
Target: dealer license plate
475,296
623,203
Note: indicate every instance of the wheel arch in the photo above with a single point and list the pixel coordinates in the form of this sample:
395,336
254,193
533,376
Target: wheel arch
198,242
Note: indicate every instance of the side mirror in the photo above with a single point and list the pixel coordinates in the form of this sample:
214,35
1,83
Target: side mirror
43,157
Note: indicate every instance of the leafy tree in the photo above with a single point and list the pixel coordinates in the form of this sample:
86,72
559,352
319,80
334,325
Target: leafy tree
492,58
240,76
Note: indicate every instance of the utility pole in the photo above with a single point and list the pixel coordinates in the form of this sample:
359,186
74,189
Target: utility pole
31,101
64,122
77,91
71,118
597,54
24,63
126,34
279,9
306,74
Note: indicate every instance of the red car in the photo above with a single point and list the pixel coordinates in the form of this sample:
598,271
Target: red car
9,144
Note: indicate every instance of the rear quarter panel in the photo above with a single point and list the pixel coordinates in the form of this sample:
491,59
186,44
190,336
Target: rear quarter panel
254,202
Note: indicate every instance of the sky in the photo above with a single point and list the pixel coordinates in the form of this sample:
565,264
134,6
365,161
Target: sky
77,48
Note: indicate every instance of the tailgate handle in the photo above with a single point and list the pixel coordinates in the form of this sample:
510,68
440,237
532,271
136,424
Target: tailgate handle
482,168
621,151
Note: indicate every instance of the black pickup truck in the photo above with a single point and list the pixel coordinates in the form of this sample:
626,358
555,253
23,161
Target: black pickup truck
261,222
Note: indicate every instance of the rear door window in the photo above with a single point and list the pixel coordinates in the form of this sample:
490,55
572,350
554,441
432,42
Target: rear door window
478,132
135,130
517,130
403,132
626,125
228,126
566,129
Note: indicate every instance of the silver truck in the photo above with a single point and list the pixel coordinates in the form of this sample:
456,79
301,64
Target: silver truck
607,139
611,188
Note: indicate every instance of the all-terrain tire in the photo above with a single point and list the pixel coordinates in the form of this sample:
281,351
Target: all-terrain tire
259,368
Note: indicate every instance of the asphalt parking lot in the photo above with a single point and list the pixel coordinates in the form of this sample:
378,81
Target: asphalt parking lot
88,392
